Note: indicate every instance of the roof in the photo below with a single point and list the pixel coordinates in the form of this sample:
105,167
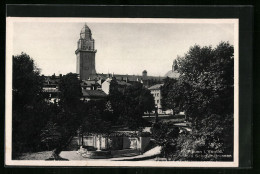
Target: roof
85,29
51,81
172,74
123,83
119,82
124,77
157,86
100,81
88,82
93,93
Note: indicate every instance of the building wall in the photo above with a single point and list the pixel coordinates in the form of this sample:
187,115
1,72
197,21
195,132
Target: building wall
157,99
144,143
86,64
113,143
78,64
105,87
126,143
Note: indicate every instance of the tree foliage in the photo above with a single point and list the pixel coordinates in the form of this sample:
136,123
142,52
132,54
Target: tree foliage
172,95
27,82
75,116
129,103
97,119
30,112
205,85
71,114
166,135
205,91
207,75
70,92
51,135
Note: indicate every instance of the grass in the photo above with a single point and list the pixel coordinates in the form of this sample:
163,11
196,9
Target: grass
34,156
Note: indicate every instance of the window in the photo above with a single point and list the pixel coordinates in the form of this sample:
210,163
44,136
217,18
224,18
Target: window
157,101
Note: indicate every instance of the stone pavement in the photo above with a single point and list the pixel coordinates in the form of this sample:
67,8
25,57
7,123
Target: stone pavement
147,155
73,156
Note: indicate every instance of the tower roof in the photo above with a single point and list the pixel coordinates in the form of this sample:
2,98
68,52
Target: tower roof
85,29
172,74
85,33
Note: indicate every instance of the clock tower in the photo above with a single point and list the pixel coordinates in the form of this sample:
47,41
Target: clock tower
86,54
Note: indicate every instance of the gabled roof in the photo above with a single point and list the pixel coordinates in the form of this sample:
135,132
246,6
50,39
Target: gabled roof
88,82
119,82
172,74
154,87
100,81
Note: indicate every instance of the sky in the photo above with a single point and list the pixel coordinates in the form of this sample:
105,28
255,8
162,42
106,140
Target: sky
122,48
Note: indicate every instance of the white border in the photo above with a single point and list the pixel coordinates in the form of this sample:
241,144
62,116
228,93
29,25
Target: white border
8,96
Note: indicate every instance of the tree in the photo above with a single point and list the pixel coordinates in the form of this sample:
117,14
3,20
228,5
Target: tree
172,95
97,119
70,92
165,135
129,103
207,76
75,115
212,142
29,108
205,91
69,119
50,135
147,100
27,82
116,99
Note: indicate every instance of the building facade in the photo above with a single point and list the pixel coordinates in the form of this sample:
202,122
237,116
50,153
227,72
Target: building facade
156,92
156,89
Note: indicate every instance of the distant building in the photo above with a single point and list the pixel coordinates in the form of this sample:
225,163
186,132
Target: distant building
90,84
156,89
93,95
91,80
50,88
174,72
156,92
91,89
86,66
106,84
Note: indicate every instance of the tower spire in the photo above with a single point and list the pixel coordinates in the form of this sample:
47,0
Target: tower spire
174,65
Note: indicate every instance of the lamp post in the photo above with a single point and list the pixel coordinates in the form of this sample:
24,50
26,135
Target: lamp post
156,114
